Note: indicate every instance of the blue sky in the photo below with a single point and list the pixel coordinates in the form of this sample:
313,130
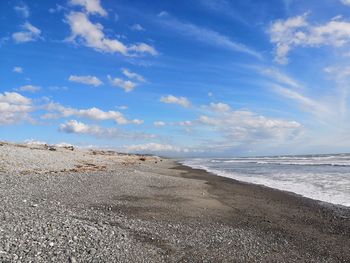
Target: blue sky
182,78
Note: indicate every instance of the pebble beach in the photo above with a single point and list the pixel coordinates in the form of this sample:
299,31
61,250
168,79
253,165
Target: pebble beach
63,204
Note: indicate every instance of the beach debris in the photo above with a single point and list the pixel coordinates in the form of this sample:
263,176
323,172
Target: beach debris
71,148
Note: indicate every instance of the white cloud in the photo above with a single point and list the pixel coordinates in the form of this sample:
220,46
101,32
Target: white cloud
345,2
90,6
92,113
152,148
88,80
56,9
163,14
206,35
132,75
296,31
14,108
34,142
159,123
122,107
29,88
17,69
127,85
91,35
280,77
307,103
247,127
143,48
182,101
23,10
137,27
76,127
220,107
29,33
14,98
341,76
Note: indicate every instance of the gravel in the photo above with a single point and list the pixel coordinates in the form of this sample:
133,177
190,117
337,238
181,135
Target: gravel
93,206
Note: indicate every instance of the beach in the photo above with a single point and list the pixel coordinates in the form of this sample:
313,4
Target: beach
62,204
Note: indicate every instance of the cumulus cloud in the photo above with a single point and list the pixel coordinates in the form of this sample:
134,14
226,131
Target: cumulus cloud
91,113
133,75
241,126
56,9
137,27
29,33
88,80
29,88
92,35
34,142
153,148
23,10
159,123
14,108
76,127
17,70
297,32
90,6
127,85
143,48
220,107
14,98
182,101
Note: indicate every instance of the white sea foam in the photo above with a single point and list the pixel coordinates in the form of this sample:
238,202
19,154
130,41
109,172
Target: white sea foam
324,178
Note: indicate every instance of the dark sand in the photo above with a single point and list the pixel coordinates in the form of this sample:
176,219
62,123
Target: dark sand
312,230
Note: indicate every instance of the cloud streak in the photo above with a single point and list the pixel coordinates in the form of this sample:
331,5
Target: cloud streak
206,35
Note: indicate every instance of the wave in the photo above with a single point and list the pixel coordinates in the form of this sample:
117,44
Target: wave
341,163
328,185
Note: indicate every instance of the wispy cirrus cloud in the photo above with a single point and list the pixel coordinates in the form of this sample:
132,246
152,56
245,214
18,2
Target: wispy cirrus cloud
205,35
279,77
308,104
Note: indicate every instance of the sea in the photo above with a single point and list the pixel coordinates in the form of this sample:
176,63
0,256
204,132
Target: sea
323,177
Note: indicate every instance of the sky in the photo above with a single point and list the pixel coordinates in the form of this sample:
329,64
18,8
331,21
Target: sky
177,78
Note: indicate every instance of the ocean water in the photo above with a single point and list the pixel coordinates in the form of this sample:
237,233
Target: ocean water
320,177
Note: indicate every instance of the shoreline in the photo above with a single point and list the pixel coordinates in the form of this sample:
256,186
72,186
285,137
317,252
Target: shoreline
70,205
320,202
